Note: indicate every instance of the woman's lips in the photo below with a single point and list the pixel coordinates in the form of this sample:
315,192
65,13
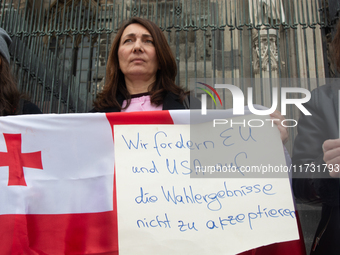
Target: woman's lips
138,60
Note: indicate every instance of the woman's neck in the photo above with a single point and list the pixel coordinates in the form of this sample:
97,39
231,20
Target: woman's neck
139,86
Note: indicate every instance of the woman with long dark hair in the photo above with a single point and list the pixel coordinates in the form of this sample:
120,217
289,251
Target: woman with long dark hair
11,102
141,69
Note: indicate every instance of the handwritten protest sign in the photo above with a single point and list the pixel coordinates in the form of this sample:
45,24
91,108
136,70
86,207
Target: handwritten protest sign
162,209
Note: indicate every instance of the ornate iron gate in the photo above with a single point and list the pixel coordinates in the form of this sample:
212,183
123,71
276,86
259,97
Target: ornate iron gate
60,48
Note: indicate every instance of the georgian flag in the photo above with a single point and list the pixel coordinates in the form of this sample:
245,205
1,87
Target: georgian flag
57,190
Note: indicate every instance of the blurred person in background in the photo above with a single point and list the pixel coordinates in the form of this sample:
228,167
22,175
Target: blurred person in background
12,101
316,158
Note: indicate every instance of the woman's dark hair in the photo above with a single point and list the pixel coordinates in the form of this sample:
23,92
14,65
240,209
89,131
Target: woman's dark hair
335,48
165,76
9,93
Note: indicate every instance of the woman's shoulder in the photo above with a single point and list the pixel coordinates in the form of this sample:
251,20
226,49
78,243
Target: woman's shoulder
107,109
173,101
27,107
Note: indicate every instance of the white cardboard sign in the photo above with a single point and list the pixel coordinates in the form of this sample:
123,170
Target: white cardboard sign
163,209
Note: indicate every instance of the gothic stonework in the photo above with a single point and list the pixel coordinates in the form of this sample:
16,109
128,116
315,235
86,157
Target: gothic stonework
269,54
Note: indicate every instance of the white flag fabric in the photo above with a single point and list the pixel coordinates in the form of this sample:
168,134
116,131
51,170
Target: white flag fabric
77,172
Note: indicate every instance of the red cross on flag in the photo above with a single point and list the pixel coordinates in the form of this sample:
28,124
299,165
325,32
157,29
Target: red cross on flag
15,160
57,190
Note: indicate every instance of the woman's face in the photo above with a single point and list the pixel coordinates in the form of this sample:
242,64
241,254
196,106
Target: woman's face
137,54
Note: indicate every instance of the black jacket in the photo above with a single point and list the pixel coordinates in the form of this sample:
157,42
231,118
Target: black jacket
29,108
316,186
25,107
170,102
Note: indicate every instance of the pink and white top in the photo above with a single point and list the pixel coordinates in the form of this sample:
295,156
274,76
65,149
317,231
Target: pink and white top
140,102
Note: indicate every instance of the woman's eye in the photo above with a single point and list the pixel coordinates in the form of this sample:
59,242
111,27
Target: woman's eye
127,40
149,41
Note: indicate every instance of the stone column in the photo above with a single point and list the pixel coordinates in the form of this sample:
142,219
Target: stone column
265,14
